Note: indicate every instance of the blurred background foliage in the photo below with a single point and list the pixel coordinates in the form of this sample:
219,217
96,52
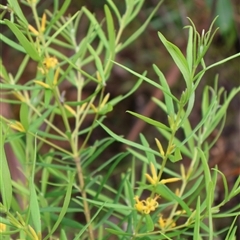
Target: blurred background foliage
146,50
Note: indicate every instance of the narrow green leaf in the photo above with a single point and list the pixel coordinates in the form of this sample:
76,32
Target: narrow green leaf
225,184
5,176
47,97
24,115
187,129
49,135
210,198
190,49
150,121
106,109
221,112
12,44
235,189
96,151
133,89
191,100
197,218
34,206
28,46
127,142
129,193
199,124
115,9
36,123
150,156
45,174
114,162
177,155
116,206
97,26
67,222
60,30
194,188
209,191
149,223
140,30
134,10
167,92
98,63
59,13
17,87
21,68
86,225
153,83
63,235
65,205
3,72
205,100
117,232
14,6
166,193
231,235
110,28
205,166
178,58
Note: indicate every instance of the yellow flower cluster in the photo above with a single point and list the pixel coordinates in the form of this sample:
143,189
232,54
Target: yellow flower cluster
49,62
146,206
150,204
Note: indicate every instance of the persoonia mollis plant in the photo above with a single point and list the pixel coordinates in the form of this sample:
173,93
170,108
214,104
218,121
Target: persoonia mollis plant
58,184
189,210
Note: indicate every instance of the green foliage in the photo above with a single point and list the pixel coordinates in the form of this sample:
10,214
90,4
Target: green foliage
56,161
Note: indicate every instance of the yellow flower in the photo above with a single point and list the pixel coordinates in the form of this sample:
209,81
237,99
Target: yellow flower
55,79
17,126
33,233
165,223
19,96
154,178
151,204
159,145
140,206
93,108
70,109
50,62
45,85
177,192
169,180
33,30
104,101
146,206
43,22
3,227
102,105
